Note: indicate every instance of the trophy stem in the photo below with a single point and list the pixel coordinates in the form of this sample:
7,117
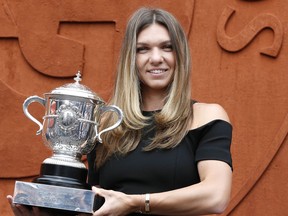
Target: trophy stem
66,159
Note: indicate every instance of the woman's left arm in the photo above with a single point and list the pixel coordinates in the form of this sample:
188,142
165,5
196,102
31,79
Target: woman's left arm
210,196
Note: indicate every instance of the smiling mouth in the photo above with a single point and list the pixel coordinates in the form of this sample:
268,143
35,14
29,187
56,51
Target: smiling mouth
157,71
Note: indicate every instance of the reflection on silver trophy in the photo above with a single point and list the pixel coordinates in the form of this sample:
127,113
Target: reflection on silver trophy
71,129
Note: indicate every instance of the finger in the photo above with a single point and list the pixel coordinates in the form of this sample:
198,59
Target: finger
18,210
23,210
15,210
10,199
96,190
36,211
100,195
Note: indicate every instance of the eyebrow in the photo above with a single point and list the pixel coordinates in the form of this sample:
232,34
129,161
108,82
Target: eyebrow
146,43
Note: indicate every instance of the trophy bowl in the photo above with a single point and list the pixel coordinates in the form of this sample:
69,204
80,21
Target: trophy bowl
70,129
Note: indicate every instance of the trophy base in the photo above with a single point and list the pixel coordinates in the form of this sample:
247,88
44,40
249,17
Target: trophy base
56,200
59,190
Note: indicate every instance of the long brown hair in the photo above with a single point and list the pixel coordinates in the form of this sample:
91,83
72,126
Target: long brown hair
172,121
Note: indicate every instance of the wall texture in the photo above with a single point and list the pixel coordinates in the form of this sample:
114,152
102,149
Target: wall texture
239,52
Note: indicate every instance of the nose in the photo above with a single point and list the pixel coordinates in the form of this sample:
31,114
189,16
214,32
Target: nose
156,56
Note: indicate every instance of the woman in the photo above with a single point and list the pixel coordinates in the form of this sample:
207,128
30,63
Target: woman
171,155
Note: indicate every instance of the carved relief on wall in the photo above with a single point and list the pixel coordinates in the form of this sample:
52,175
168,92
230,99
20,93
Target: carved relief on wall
246,35
239,60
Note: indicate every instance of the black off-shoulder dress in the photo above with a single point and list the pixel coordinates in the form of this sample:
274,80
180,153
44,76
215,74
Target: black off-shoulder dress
142,172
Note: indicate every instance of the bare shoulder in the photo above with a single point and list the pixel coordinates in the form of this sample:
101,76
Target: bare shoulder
204,113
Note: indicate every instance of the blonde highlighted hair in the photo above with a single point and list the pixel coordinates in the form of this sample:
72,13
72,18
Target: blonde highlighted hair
172,121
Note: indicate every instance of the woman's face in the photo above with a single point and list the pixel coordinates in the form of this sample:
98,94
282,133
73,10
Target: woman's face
155,58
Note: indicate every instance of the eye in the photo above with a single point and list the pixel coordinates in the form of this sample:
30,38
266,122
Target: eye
168,47
142,49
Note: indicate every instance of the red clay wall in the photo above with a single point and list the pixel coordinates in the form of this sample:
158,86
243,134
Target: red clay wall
239,52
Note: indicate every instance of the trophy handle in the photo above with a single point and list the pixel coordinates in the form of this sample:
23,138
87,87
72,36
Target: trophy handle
118,111
26,103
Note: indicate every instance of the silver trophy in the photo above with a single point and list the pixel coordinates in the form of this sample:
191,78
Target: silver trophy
71,129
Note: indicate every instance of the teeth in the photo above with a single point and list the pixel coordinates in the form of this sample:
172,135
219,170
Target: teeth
157,71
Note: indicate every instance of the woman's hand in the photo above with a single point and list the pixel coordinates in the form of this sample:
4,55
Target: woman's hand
117,203
21,210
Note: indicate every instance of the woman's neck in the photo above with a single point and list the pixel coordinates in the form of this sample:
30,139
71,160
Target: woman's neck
152,101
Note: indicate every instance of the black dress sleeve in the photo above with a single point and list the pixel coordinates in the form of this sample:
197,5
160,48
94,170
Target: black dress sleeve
215,142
